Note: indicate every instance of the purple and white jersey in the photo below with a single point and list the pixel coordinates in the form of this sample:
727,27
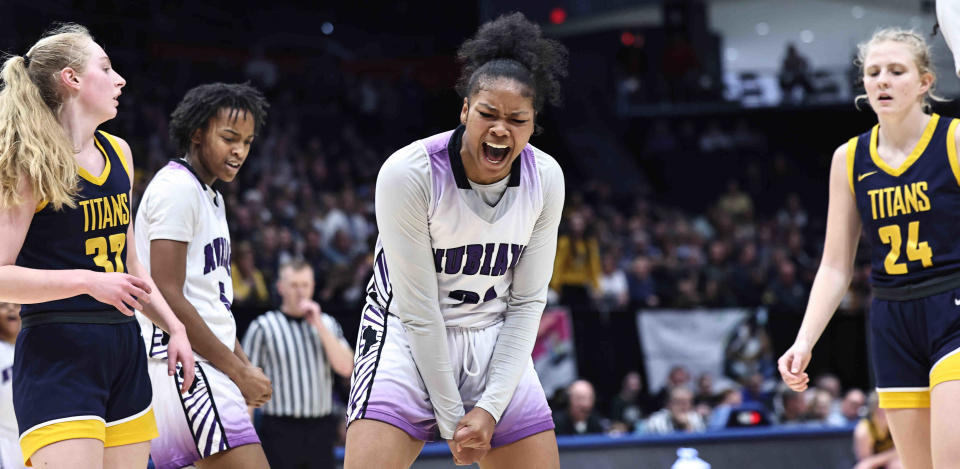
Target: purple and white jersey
474,246
178,207
454,253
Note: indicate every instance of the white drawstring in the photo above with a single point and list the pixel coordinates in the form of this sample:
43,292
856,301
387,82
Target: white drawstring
469,351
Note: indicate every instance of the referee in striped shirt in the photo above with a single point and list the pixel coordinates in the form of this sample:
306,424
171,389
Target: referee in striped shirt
297,347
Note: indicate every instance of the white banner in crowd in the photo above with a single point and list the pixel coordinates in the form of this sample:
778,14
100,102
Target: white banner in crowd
696,339
553,356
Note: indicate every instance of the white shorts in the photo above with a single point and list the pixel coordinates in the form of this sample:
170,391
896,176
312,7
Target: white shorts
10,455
386,384
211,417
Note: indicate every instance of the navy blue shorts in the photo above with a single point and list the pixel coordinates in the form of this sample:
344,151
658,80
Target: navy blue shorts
914,347
82,381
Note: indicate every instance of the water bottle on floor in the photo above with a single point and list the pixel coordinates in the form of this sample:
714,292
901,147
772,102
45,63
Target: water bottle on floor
687,459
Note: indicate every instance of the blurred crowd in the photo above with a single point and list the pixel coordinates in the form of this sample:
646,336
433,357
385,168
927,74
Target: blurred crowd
685,405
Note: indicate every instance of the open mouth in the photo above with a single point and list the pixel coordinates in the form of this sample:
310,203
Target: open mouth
234,165
495,154
885,97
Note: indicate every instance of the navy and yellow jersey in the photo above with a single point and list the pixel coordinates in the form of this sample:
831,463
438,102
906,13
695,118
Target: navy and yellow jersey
908,212
91,236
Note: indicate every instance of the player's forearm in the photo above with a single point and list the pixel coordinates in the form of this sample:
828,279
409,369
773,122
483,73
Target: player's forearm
202,339
511,356
829,288
26,286
156,310
428,345
238,351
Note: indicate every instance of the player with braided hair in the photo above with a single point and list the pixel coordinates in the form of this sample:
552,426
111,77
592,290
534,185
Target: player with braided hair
186,246
468,232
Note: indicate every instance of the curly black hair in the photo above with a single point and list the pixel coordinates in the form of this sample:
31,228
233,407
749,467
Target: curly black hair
513,47
204,101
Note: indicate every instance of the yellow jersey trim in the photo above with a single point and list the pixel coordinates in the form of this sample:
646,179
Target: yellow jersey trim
851,157
904,399
135,429
914,155
116,148
952,149
60,430
42,205
98,180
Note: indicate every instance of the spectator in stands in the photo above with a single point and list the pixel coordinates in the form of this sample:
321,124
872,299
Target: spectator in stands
822,410
249,286
852,406
736,204
614,290
626,408
704,393
579,417
872,441
785,298
748,351
794,408
794,75
677,377
715,139
677,416
754,391
747,277
642,287
730,399
576,276
792,215
718,290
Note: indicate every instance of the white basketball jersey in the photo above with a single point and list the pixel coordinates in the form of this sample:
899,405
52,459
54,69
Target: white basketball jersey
177,206
475,246
8,419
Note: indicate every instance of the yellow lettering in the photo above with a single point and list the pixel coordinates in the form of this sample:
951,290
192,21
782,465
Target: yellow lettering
924,202
910,197
98,205
873,202
107,213
86,215
124,209
898,208
888,202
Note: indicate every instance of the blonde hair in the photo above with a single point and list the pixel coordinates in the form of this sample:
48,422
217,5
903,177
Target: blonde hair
33,144
922,57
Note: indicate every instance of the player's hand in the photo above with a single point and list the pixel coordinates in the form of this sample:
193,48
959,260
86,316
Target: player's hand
179,351
465,456
122,291
792,366
475,429
254,385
